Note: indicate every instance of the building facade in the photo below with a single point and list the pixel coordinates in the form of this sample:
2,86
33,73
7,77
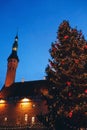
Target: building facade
21,102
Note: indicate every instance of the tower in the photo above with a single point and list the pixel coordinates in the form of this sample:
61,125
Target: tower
12,64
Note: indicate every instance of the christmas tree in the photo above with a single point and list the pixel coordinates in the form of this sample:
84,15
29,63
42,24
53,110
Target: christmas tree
67,76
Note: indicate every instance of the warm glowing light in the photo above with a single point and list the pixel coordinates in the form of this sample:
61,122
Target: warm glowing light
26,117
33,120
14,48
25,100
5,119
2,101
33,105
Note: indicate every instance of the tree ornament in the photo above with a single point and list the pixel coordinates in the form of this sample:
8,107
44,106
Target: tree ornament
85,47
86,91
68,83
76,61
54,49
66,37
69,94
62,62
70,114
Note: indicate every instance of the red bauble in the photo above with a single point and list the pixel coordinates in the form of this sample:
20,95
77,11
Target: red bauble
62,62
85,47
54,49
70,114
69,94
86,91
66,37
76,61
68,83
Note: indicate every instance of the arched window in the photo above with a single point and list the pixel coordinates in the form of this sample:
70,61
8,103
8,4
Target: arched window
33,120
26,117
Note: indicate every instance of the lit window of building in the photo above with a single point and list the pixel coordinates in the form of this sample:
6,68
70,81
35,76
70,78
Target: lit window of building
5,119
33,105
33,120
26,117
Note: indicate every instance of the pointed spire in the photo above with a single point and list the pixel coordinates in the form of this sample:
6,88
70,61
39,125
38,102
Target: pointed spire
14,49
15,45
16,38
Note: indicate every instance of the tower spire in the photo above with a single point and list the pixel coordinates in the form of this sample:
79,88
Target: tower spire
12,64
14,49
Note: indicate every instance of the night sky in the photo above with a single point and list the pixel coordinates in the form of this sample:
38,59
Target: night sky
36,22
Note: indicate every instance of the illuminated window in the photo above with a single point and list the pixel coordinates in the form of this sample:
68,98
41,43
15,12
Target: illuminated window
33,105
5,119
26,117
33,120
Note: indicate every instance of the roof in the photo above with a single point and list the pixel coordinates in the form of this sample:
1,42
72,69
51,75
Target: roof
13,55
24,89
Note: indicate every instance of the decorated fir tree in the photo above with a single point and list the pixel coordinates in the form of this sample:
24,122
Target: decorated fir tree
67,76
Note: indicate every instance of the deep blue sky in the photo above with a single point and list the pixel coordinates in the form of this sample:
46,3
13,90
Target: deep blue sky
37,22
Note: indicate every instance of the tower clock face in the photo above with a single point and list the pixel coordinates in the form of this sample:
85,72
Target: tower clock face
14,48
